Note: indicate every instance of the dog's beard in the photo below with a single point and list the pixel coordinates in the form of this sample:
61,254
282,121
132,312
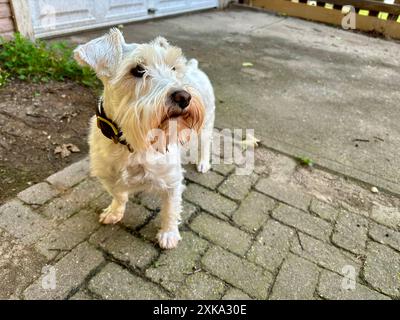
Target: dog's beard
149,123
179,126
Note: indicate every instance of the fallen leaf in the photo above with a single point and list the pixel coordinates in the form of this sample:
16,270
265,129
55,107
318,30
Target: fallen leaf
250,141
65,150
73,148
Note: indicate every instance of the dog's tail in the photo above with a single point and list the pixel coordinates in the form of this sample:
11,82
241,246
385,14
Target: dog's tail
193,63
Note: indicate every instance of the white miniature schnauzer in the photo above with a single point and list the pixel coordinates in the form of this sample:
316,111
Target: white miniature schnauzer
146,87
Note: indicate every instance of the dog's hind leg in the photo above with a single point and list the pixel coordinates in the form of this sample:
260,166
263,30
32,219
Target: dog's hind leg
168,236
115,211
206,136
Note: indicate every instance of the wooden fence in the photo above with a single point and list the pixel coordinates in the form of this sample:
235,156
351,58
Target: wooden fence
6,19
371,16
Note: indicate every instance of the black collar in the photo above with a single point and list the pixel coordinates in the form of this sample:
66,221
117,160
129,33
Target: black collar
108,127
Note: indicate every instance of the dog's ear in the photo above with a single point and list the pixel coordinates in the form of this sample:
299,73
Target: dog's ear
102,54
161,41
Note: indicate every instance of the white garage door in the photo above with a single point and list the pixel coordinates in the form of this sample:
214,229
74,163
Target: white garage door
55,17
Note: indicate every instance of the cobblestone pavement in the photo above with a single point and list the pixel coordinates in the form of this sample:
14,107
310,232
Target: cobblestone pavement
283,232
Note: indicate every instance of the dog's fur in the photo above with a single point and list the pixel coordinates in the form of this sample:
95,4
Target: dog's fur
138,105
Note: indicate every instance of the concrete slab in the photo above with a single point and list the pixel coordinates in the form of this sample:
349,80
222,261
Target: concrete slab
313,90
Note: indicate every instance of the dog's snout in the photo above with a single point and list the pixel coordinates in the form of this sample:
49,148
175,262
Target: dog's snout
181,98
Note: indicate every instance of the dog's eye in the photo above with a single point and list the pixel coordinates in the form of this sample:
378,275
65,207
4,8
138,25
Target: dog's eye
173,69
138,71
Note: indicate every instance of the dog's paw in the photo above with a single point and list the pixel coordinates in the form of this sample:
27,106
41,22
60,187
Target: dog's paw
168,239
203,166
110,216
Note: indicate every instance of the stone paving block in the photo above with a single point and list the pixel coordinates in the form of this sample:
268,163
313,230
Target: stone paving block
103,234
115,283
135,215
263,160
78,198
201,286
23,223
82,295
282,168
38,194
253,211
297,280
70,272
101,202
303,221
71,175
67,235
173,266
331,287
222,168
209,180
238,272
385,235
235,294
271,245
188,210
151,201
324,210
237,187
20,265
221,233
323,254
354,209
149,231
388,216
210,201
284,192
125,247
351,232
260,168
382,269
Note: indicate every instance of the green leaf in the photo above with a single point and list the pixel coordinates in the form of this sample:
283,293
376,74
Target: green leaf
304,161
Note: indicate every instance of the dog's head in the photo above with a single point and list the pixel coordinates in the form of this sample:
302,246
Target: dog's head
144,87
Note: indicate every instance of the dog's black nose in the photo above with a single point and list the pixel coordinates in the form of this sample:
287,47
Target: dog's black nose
182,98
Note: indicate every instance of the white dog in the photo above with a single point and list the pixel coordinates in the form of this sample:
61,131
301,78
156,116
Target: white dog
146,87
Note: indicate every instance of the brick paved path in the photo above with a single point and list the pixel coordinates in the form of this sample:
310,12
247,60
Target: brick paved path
283,232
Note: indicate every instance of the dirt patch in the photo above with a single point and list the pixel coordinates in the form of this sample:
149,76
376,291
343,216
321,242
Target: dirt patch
34,120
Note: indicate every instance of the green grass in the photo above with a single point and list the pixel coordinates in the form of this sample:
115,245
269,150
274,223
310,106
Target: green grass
41,61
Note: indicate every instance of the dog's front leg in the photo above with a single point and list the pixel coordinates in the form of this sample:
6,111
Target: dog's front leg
115,211
168,236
